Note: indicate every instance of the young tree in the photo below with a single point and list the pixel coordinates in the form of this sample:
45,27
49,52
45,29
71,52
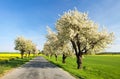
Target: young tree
34,49
20,44
52,39
48,49
25,46
56,47
29,47
84,35
66,51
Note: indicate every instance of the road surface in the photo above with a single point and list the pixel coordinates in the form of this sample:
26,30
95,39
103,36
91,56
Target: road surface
38,68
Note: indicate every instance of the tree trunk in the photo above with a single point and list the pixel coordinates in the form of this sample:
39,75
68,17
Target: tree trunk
25,54
47,55
56,57
22,53
79,61
78,53
63,58
28,54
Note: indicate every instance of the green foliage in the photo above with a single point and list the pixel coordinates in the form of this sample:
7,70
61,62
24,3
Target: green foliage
94,67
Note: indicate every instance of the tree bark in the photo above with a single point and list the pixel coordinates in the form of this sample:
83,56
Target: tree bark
25,54
74,47
55,57
28,54
79,61
78,53
22,53
63,58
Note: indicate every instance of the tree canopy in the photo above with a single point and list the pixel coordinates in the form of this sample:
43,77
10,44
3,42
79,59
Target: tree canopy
25,46
83,33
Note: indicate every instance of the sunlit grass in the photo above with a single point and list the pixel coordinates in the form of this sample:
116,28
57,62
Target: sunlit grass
94,67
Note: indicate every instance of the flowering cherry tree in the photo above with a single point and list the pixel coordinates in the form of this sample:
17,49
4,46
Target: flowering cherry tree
84,35
25,46
20,44
54,47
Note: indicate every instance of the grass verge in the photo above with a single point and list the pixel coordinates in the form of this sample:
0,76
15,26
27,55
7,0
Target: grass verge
8,64
94,67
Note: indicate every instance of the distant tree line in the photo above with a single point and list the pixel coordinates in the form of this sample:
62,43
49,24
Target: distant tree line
108,53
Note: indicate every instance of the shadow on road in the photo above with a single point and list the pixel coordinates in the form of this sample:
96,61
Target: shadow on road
39,62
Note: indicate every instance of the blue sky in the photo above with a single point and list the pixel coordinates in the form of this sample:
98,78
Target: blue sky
29,18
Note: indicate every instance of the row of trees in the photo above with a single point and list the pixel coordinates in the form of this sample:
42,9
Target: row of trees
25,46
75,31
54,46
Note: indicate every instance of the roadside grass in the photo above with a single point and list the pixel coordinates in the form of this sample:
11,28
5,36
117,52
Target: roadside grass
94,67
11,60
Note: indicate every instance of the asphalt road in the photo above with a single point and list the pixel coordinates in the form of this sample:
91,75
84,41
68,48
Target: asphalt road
38,68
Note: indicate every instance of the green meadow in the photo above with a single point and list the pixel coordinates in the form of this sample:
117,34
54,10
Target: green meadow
94,67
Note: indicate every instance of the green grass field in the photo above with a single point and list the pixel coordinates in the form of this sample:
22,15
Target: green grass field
11,60
94,67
